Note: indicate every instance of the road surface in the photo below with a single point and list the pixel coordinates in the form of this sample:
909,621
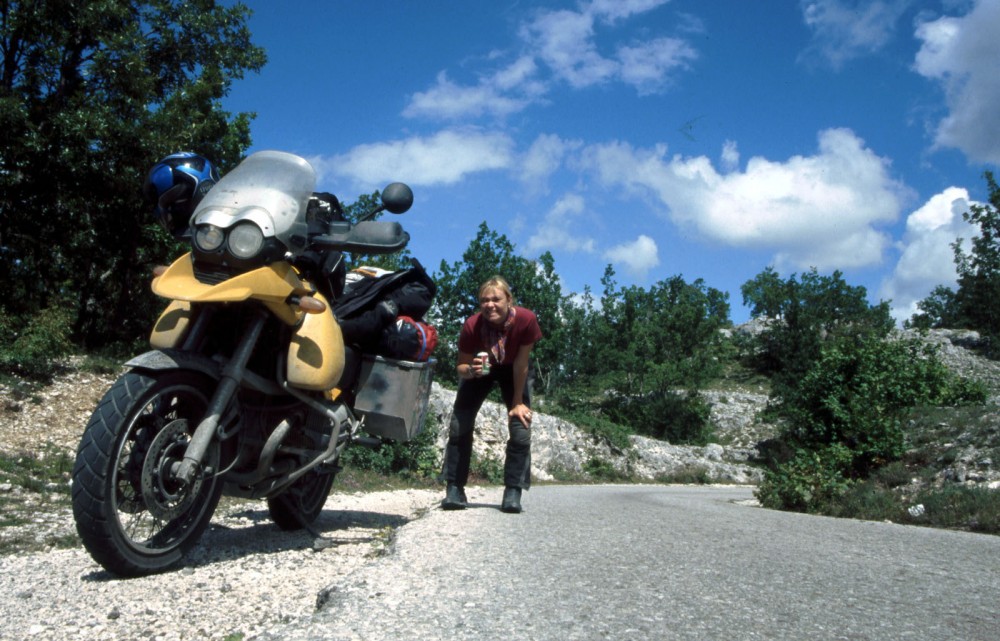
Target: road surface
663,562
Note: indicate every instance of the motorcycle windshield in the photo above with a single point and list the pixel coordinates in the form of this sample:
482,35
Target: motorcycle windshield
269,188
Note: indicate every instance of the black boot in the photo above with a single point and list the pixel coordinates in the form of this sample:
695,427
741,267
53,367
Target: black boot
511,500
454,498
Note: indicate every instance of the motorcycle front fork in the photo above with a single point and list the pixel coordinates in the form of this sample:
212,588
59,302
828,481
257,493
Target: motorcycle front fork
229,384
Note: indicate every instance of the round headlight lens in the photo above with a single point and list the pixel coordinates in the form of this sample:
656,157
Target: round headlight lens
209,238
245,240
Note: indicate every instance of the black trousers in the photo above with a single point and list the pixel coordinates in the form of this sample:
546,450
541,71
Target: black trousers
458,453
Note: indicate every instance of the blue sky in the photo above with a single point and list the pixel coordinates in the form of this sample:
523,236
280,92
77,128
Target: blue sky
664,137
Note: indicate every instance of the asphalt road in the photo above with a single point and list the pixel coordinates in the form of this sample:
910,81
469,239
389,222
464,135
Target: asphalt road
664,562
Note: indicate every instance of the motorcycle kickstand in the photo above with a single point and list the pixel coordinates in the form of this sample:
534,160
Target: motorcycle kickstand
321,541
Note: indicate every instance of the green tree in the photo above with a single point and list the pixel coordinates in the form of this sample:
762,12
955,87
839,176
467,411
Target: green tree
91,95
766,295
807,312
978,296
976,302
846,417
653,349
937,310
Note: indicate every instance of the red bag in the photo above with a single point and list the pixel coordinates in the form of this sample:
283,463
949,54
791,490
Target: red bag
408,339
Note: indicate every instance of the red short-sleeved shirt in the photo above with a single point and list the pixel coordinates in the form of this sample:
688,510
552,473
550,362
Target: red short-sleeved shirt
524,331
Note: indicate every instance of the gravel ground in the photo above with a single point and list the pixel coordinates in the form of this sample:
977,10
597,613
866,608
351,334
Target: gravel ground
245,576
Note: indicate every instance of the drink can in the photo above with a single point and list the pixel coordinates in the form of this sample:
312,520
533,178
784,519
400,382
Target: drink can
484,358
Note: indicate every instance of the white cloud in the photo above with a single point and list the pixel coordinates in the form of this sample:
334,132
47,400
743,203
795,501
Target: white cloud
638,257
730,156
507,91
542,159
961,54
647,66
612,10
812,211
847,29
555,231
926,257
444,158
565,42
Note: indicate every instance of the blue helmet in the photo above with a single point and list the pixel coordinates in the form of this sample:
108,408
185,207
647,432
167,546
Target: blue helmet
176,185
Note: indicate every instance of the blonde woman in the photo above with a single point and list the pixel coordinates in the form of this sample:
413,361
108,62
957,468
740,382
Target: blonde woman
505,333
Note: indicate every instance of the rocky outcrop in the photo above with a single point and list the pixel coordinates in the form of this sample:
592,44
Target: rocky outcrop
562,450
559,448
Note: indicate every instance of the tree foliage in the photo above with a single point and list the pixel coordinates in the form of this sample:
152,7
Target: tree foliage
846,417
976,303
91,95
804,313
858,392
840,386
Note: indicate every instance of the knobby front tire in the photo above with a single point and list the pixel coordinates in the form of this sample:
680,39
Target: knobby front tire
132,517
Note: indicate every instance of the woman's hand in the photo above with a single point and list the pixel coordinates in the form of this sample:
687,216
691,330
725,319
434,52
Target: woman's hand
476,368
521,412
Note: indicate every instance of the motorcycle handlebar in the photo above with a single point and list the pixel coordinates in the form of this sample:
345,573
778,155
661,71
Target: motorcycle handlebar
369,237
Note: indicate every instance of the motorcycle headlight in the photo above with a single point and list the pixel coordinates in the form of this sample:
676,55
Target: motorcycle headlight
245,240
209,238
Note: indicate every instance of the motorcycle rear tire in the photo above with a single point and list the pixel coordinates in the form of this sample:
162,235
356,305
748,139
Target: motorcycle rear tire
302,503
133,519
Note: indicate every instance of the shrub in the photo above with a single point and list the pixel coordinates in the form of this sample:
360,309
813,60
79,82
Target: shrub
602,470
614,434
671,416
809,482
893,474
857,394
418,457
488,468
31,345
869,500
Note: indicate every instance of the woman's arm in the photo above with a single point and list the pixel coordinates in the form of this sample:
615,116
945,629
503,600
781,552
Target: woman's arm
464,366
518,408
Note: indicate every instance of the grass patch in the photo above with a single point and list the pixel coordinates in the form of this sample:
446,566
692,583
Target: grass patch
958,507
603,471
614,434
34,486
687,475
355,479
20,390
951,507
46,471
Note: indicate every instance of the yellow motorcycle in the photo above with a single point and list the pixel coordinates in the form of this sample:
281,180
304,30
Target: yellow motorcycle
250,389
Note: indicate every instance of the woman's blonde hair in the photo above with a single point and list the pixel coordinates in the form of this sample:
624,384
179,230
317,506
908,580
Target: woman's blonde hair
497,282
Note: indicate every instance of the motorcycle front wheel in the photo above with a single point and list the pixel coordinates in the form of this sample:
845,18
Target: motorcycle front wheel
131,514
